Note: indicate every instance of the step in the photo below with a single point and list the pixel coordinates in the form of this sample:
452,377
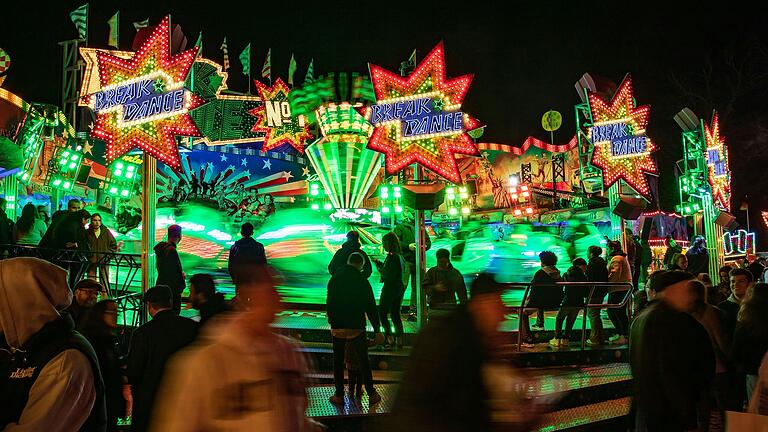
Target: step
596,416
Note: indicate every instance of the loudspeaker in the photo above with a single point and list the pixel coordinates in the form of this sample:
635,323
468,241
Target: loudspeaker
423,196
629,208
727,221
646,223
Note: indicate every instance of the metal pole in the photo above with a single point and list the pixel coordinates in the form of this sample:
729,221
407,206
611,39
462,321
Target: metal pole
420,261
148,206
617,223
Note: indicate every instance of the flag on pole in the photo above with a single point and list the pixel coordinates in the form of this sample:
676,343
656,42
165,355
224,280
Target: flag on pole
114,30
79,17
310,77
141,24
199,44
226,53
245,59
291,69
266,71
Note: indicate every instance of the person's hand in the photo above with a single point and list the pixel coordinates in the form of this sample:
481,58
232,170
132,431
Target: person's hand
378,338
412,246
183,275
71,244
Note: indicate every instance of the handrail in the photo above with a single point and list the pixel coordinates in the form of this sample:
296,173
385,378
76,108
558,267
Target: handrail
610,287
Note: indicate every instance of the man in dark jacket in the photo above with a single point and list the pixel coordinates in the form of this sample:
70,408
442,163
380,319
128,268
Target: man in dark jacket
204,298
57,218
152,345
671,358
169,271
86,295
347,248
443,283
245,251
406,233
543,295
443,388
741,281
597,271
573,300
349,300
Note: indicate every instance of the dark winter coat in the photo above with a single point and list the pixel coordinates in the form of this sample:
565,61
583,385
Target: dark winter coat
597,271
698,261
349,299
105,242
452,283
152,345
245,251
449,355
342,255
214,306
574,296
105,345
169,270
547,296
672,363
71,231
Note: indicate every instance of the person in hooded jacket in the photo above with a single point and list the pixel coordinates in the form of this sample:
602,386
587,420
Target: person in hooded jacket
49,374
597,271
169,271
349,247
543,295
698,257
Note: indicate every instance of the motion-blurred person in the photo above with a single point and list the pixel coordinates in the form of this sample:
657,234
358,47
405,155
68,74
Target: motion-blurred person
750,340
597,271
349,247
741,283
679,263
543,295
29,229
758,404
391,297
406,233
698,257
618,272
671,358
58,217
443,283
572,303
444,388
86,295
49,373
169,270
100,327
245,251
100,239
204,298
349,300
261,387
152,345
710,317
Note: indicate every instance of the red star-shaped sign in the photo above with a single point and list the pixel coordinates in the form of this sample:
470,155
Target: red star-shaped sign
631,168
286,129
717,165
434,151
155,135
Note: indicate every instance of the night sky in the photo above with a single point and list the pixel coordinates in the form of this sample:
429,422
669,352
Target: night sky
525,59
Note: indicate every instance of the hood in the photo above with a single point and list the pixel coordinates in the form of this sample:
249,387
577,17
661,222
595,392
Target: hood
161,247
552,271
351,245
32,292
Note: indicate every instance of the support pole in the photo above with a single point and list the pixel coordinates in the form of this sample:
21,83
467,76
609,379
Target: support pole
420,258
713,234
617,222
148,207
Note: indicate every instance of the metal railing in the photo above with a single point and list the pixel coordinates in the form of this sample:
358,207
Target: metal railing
610,287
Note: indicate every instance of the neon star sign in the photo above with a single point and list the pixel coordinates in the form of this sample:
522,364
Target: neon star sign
418,118
719,174
274,118
141,101
621,148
